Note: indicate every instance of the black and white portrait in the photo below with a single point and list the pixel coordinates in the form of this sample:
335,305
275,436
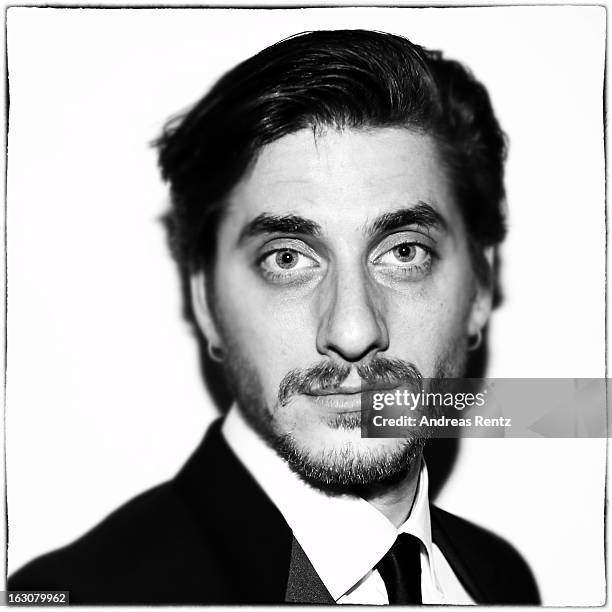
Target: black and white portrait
226,227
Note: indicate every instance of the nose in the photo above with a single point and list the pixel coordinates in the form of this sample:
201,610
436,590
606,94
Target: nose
351,324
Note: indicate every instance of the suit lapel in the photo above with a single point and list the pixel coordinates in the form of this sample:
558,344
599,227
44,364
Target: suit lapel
460,562
304,584
248,537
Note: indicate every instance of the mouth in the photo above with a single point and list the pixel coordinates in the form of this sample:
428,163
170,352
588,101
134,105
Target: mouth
337,402
336,391
342,399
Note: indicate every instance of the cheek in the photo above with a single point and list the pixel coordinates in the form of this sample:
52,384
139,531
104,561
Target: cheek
269,330
426,324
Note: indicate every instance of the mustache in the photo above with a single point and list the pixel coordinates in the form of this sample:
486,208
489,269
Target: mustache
328,375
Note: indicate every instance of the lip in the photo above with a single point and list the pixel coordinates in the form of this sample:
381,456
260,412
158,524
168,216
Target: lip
354,390
343,399
337,402
337,391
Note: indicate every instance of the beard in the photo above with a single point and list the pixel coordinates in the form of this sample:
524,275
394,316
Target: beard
350,461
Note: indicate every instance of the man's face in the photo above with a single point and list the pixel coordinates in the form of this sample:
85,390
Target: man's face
341,257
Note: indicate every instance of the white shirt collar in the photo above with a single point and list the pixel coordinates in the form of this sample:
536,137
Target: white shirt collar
343,535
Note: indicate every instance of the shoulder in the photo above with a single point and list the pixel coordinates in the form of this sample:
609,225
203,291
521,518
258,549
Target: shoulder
133,555
489,545
483,558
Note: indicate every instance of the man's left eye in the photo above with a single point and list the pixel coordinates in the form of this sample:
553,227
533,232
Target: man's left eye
406,253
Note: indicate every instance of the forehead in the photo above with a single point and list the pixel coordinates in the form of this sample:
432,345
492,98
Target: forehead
342,179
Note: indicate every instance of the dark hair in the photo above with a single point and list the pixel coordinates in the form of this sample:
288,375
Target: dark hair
341,79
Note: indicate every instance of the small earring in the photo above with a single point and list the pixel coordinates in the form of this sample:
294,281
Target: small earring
474,341
216,353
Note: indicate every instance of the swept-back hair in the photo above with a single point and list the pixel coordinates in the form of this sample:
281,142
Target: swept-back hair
339,79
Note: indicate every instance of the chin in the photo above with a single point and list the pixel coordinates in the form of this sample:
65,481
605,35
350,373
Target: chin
330,451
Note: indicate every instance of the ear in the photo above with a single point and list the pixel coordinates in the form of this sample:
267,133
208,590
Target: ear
482,303
201,308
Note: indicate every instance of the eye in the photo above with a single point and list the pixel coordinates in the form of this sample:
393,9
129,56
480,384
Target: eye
405,253
280,261
403,257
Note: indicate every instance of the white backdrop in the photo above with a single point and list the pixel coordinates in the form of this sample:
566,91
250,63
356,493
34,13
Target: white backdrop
104,397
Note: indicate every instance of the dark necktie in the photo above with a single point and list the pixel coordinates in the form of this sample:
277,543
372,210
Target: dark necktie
400,570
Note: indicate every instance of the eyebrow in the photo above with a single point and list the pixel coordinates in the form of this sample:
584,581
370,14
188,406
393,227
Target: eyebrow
279,224
423,215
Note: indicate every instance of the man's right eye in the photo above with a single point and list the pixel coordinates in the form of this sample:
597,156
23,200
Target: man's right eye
285,263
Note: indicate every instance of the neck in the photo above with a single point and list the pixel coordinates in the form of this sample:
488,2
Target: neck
395,500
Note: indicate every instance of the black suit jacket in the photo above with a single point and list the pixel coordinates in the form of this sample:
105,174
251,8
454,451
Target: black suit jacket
211,536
